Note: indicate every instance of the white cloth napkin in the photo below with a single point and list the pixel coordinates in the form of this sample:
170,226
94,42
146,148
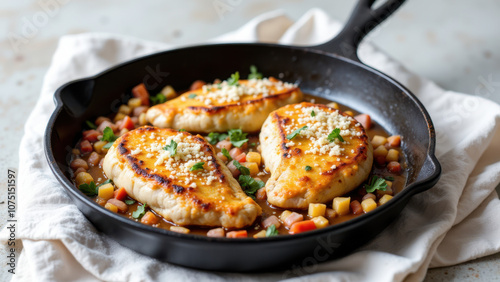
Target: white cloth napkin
455,221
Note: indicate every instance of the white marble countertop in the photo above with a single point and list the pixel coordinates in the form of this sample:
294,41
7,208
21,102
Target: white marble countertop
452,42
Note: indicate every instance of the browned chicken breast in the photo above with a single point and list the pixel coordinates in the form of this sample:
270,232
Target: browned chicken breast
314,153
179,176
244,104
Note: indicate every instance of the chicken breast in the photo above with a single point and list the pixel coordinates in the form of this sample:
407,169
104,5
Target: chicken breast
145,162
220,107
315,165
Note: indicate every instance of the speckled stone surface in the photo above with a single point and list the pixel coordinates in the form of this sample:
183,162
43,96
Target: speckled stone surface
452,42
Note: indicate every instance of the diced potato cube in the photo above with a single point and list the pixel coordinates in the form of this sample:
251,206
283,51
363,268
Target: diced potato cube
330,213
134,102
106,191
284,215
349,113
368,205
389,183
380,151
83,177
260,234
124,109
180,229
384,199
341,205
392,156
142,119
111,207
320,222
99,147
378,141
316,210
119,116
333,105
253,167
254,157
169,92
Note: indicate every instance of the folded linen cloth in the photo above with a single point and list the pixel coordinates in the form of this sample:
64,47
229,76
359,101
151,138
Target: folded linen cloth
453,222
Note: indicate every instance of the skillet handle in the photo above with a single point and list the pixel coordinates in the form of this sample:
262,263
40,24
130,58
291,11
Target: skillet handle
363,20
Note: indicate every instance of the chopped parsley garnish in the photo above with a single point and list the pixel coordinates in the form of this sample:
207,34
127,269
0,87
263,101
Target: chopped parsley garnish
171,148
390,178
192,96
253,73
376,183
197,166
90,124
108,135
139,212
308,168
295,133
225,153
91,189
129,202
181,130
250,185
233,80
243,169
313,114
253,144
335,135
216,137
272,231
237,137
158,99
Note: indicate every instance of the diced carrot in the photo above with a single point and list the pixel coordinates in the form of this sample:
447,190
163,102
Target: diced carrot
365,120
127,123
356,207
302,226
394,167
120,194
85,147
91,135
394,141
237,234
241,158
149,218
142,93
198,84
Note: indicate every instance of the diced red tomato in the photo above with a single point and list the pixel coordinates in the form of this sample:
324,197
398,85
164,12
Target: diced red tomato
365,120
237,234
85,147
394,167
356,207
142,93
241,158
127,123
120,194
91,135
302,226
198,84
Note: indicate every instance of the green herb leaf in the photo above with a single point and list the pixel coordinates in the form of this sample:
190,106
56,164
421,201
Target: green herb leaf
253,73
335,135
197,166
376,183
105,182
108,135
308,168
90,124
243,169
237,137
390,178
171,148
253,144
271,231
88,189
250,185
313,114
215,137
181,130
129,202
108,145
295,133
192,96
225,153
158,99
233,80
139,212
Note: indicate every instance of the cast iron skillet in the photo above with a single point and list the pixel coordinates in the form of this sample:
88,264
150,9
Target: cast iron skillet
331,70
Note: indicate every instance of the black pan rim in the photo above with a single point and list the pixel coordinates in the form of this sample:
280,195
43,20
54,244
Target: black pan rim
408,191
